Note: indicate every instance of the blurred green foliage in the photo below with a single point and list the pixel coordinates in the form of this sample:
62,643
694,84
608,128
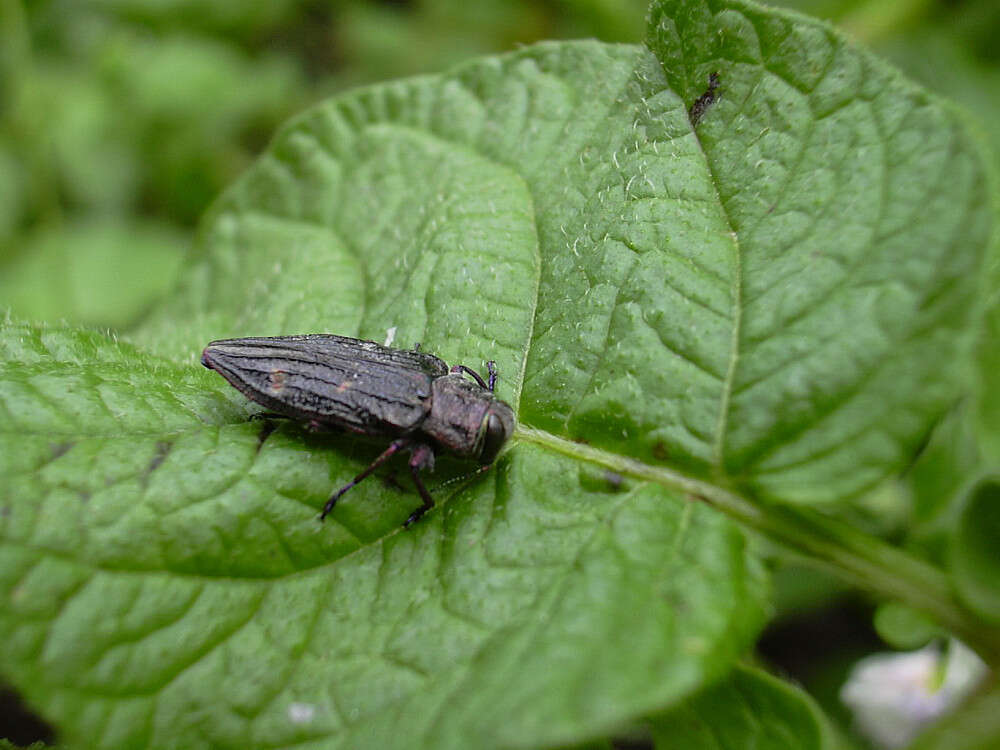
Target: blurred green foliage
132,115
120,120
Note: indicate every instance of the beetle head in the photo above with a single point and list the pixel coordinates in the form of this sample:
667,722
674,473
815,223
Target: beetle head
497,426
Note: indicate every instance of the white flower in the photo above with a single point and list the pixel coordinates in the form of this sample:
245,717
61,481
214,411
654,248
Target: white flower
895,695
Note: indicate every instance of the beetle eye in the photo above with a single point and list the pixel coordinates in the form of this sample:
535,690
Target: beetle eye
493,439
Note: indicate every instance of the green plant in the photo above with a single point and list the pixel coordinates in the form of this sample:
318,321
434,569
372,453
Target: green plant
747,324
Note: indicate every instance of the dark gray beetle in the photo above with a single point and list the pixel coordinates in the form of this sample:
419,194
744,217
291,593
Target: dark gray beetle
332,381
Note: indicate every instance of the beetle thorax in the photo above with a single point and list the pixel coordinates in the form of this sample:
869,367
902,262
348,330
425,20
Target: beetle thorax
458,408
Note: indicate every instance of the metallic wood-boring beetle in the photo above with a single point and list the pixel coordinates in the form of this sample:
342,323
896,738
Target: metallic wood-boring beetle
332,381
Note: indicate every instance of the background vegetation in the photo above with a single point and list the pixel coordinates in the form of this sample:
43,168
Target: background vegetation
122,120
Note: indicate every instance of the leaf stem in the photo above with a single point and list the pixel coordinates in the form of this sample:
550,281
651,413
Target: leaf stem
862,560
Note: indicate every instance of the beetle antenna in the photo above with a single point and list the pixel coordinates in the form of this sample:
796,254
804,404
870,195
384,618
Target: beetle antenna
491,367
475,375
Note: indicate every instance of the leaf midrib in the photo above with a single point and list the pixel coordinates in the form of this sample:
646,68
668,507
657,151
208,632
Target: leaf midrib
736,294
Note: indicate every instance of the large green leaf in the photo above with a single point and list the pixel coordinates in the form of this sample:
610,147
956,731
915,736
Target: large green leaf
975,557
67,273
861,211
168,583
769,302
750,709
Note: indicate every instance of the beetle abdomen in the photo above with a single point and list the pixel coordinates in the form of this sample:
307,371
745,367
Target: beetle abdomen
333,380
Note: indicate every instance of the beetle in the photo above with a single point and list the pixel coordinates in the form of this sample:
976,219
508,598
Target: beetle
337,382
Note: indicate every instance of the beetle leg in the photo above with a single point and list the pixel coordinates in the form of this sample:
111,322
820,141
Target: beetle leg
422,457
314,425
473,373
394,447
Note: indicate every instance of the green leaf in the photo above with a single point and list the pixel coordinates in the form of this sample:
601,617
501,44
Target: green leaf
988,405
218,16
860,212
690,305
975,727
68,132
64,273
938,478
167,581
975,555
193,102
13,185
902,627
661,300
750,708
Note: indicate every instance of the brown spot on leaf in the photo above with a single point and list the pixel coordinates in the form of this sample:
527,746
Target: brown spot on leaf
58,449
163,447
